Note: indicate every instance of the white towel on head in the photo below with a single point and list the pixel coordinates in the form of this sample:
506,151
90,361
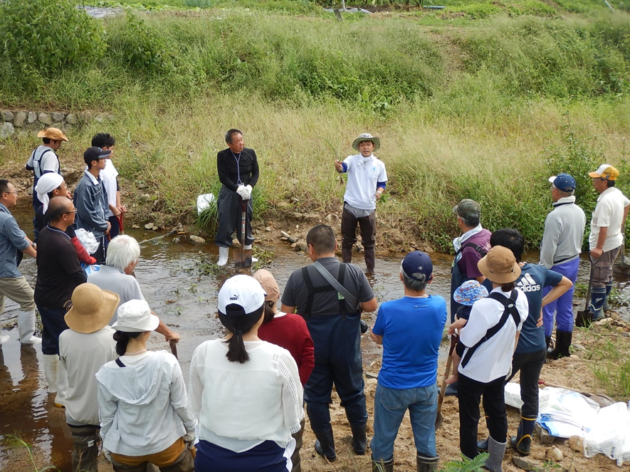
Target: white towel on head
46,184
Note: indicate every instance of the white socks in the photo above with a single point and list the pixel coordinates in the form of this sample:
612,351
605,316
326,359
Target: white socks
26,327
224,253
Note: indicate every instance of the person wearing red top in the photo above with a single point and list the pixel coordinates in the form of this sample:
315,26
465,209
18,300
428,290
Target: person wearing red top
289,331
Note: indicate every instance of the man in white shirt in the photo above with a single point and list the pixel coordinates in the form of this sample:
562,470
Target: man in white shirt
367,180
109,174
606,237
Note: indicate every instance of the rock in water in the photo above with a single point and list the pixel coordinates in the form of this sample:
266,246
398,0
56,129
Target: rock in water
197,239
149,226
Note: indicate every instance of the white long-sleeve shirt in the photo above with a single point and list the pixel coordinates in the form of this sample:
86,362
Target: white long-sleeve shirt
143,406
564,232
239,406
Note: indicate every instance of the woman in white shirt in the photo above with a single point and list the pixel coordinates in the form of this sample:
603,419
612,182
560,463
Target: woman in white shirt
245,392
142,400
488,341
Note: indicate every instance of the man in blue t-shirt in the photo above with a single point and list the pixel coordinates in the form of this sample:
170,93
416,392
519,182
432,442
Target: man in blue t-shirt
410,330
531,350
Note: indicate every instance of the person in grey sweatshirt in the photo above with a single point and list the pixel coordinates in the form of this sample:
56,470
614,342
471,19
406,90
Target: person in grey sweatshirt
560,251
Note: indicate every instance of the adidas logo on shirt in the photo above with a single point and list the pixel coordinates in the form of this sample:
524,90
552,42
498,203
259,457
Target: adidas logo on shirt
528,284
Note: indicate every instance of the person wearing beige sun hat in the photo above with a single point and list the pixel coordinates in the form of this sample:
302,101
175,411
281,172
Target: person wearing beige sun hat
44,160
367,179
83,350
487,343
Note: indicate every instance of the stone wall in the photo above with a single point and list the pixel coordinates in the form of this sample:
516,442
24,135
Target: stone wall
21,122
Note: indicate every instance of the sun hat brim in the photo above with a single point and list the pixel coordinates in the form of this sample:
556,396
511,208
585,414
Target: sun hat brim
94,322
374,140
150,325
499,277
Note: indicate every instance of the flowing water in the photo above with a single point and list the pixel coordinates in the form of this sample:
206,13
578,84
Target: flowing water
169,275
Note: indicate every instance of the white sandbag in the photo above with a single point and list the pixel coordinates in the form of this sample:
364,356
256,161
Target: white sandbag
513,395
204,201
608,433
88,240
565,413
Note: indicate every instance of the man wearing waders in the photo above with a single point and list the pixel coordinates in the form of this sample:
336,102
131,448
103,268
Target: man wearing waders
470,248
322,294
44,160
237,167
606,239
560,251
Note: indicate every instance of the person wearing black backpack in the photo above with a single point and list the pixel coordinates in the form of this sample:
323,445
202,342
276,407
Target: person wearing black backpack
486,346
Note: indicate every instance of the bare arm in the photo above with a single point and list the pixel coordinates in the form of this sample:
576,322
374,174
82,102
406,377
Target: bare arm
557,291
166,332
287,309
370,305
481,279
599,249
625,216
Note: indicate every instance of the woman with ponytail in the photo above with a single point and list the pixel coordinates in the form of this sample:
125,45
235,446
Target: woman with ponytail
142,400
245,392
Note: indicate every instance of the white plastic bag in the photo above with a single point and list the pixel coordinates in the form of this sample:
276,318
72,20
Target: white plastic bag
204,201
608,433
88,240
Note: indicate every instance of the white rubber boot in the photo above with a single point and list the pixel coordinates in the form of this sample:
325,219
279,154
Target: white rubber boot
26,327
4,339
51,363
224,253
248,247
62,386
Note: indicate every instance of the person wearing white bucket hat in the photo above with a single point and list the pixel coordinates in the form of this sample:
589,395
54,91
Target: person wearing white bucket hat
142,400
245,392
367,179
83,350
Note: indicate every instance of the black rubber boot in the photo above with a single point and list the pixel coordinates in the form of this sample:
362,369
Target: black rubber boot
549,349
383,466
427,464
606,307
325,445
523,439
563,342
359,440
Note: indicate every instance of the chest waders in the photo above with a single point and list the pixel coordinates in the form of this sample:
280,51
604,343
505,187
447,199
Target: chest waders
458,277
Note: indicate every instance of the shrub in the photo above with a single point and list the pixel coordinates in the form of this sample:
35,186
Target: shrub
43,36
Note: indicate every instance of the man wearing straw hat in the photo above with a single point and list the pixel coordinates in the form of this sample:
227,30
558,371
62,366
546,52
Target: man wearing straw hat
83,350
606,237
367,180
44,160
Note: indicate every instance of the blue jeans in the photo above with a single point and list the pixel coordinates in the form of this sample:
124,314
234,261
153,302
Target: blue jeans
390,406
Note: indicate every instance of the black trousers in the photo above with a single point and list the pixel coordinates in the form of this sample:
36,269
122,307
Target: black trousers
231,218
367,225
470,394
529,364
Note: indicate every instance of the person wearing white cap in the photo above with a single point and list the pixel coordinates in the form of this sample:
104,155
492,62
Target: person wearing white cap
142,400
13,285
560,252
606,238
83,350
245,392
367,179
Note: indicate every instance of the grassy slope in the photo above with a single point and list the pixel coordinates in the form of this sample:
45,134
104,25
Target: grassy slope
465,109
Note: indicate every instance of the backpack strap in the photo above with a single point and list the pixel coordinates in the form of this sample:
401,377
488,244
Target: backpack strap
37,163
340,278
482,252
119,362
312,291
509,309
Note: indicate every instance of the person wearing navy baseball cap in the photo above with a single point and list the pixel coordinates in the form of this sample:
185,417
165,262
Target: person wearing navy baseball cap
560,252
410,330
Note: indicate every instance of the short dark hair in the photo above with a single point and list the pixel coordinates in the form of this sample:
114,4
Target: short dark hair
103,140
4,186
610,183
322,238
47,140
57,207
230,133
511,239
471,222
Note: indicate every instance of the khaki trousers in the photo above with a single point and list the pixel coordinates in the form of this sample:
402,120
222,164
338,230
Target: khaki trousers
18,290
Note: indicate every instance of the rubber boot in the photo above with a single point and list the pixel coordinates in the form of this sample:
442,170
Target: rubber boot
346,254
4,339
325,445
224,253
523,439
359,440
26,327
497,452
62,386
606,307
427,464
51,363
248,247
549,348
598,296
383,466
563,341
370,260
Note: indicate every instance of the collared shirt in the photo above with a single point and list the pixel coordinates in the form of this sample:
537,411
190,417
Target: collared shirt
608,214
363,175
12,239
90,199
564,233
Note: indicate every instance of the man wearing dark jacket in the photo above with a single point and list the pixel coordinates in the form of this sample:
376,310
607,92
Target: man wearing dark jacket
90,199
238,172
58,274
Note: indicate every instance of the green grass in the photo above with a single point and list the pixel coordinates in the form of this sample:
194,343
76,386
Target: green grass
612,368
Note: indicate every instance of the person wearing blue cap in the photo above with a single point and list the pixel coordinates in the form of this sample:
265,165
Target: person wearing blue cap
410,330
560,251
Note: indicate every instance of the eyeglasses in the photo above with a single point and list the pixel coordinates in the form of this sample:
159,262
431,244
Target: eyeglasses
68,212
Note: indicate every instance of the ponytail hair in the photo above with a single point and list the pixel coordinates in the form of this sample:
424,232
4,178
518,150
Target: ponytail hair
508,287
239,323
122,340
270,312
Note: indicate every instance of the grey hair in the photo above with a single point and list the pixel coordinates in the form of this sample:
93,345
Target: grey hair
413,284
122,251
470,222
563,193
